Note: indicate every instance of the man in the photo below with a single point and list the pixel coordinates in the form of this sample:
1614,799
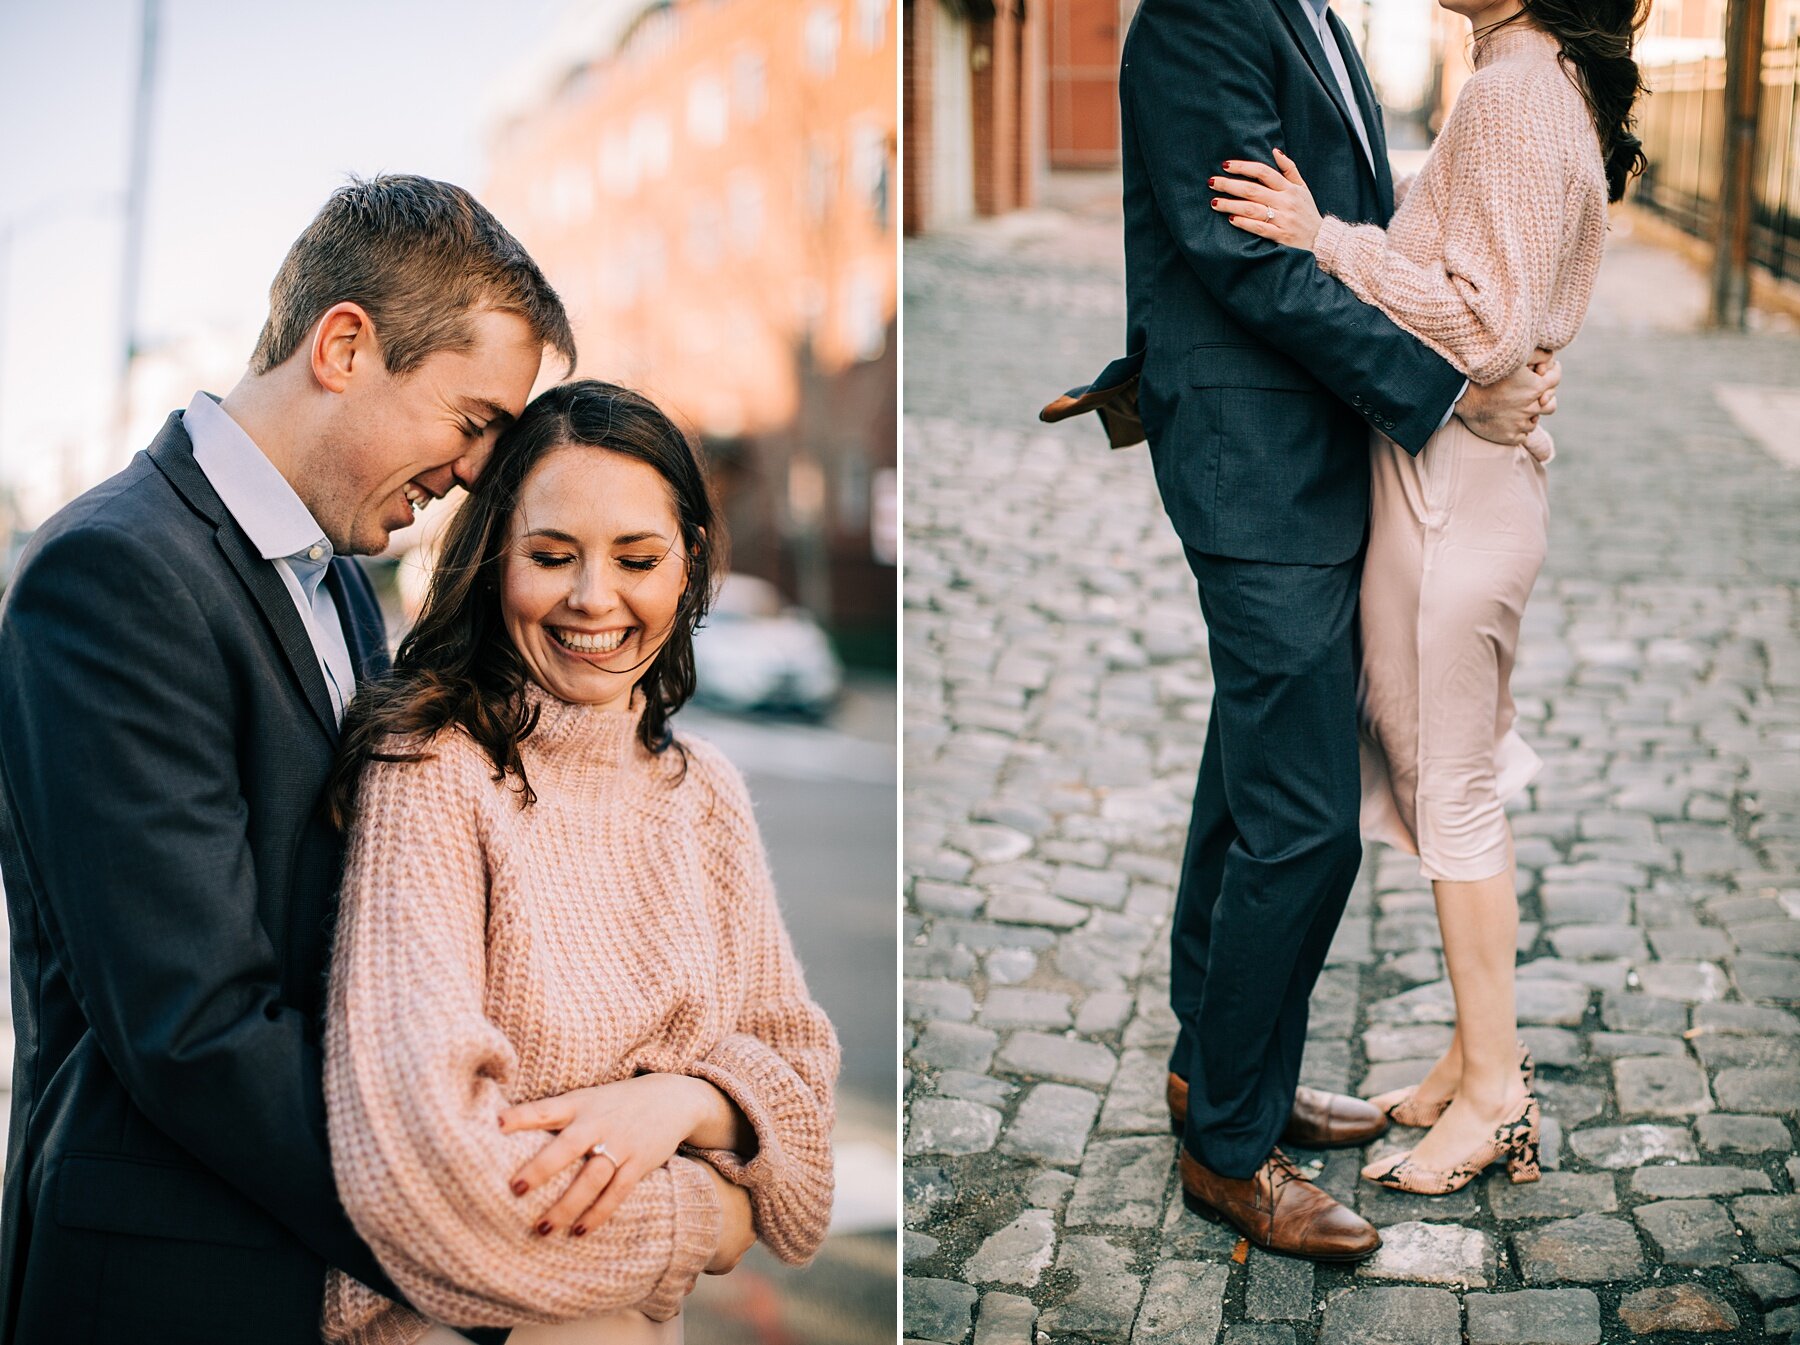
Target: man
1256,379
176,654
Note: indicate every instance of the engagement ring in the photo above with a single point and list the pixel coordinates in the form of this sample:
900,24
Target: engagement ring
1268,215
599,1151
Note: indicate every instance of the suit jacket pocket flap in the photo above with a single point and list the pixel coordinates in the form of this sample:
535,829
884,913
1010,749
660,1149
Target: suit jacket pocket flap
1248,367
119,1195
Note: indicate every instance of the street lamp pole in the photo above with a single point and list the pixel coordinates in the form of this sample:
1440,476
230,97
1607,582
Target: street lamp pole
136,188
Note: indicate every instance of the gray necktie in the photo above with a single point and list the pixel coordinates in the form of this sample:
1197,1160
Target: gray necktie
1335,58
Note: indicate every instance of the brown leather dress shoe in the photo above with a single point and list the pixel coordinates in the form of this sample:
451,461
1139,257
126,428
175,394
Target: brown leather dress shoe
1320,1120
1279,1210
1176,1093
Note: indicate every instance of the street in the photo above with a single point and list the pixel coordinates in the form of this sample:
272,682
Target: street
825,800
1057,693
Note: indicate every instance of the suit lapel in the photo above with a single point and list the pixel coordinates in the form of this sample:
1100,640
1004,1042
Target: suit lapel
1371,110
1299,21
360,615
173,454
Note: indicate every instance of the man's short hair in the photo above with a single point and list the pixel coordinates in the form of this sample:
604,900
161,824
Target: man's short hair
418,256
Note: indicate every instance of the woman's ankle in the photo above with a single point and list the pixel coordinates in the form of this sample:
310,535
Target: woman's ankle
1491,1094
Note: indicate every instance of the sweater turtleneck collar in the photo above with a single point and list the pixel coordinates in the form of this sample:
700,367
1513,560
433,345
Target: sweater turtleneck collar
567,731
1514,38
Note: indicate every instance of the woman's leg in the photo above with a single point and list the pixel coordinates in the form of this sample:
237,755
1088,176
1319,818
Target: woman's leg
1480,922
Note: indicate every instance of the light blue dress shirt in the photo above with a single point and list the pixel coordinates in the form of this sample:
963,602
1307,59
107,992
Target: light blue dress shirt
280,527
1334,57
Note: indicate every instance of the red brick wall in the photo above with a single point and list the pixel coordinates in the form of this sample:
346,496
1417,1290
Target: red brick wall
1003,134
1006,107
916,81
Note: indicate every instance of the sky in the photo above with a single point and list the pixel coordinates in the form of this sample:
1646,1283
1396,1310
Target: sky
260,112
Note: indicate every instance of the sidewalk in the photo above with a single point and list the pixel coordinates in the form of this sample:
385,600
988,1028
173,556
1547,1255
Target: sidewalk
1057,691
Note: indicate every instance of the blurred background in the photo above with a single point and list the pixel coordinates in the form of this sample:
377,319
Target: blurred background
710,186
1001,96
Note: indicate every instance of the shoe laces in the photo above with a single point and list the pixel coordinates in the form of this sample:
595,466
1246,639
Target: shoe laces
1286,1170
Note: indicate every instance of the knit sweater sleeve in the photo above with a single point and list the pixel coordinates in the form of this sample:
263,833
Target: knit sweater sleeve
780,1062
1501,208
417,1075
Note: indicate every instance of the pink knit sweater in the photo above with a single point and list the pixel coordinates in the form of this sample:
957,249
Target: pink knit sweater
487,954
1494,248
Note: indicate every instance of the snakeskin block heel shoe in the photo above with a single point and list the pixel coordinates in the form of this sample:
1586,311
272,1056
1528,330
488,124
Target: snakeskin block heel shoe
1402,1107
1515,1139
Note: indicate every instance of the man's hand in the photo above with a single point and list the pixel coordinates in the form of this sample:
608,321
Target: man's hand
737,1231
1508,411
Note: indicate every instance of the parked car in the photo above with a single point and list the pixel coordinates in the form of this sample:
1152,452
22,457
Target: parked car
759,652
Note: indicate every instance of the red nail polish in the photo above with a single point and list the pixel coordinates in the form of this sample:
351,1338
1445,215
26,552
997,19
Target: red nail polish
579,1231
520,1187
543,1228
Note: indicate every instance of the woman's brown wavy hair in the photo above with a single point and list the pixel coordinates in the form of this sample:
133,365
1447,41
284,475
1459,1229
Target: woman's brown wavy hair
1597,37
457,666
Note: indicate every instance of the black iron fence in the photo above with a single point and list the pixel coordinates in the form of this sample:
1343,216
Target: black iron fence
1682,124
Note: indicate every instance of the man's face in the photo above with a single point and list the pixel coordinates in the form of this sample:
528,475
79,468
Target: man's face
397,442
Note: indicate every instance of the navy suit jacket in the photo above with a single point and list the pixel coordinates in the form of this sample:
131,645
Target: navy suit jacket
171,881
1260,375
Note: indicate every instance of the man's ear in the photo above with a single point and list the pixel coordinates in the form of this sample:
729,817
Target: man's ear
343,345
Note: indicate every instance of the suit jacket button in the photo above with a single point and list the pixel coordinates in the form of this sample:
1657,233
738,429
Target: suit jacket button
1357,401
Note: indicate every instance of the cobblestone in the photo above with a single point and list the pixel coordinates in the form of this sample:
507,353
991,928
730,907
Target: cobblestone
1433,1254
1690,1183
1534,1317
1770,1285
1584,1250
1395,1316
1680,1307
1122,1183
1773,1222
1741,1135
1184,1305
1057,695
1660,1085
1280,1288
1052,1124
1017,1254
1689,1232
1633,1146
952,1126
1556,1195
1005,1319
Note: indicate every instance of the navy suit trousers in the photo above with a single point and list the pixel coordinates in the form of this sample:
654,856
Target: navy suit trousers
1272,849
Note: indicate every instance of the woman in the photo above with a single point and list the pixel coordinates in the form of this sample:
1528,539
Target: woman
558,917
1490,257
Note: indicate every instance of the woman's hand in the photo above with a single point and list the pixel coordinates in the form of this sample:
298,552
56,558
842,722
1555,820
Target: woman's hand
1267,203
641,1122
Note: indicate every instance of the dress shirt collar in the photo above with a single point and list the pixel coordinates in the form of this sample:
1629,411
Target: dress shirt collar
277,522
1317,9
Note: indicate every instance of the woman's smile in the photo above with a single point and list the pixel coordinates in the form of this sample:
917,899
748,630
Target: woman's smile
579,642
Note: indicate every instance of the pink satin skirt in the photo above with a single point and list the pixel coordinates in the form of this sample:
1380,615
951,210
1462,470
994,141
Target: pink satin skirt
626,1327
1456,539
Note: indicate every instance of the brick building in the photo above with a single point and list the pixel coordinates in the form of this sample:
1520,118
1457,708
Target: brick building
974,78
709,184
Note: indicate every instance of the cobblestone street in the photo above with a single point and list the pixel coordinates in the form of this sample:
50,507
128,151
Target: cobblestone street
1057,690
